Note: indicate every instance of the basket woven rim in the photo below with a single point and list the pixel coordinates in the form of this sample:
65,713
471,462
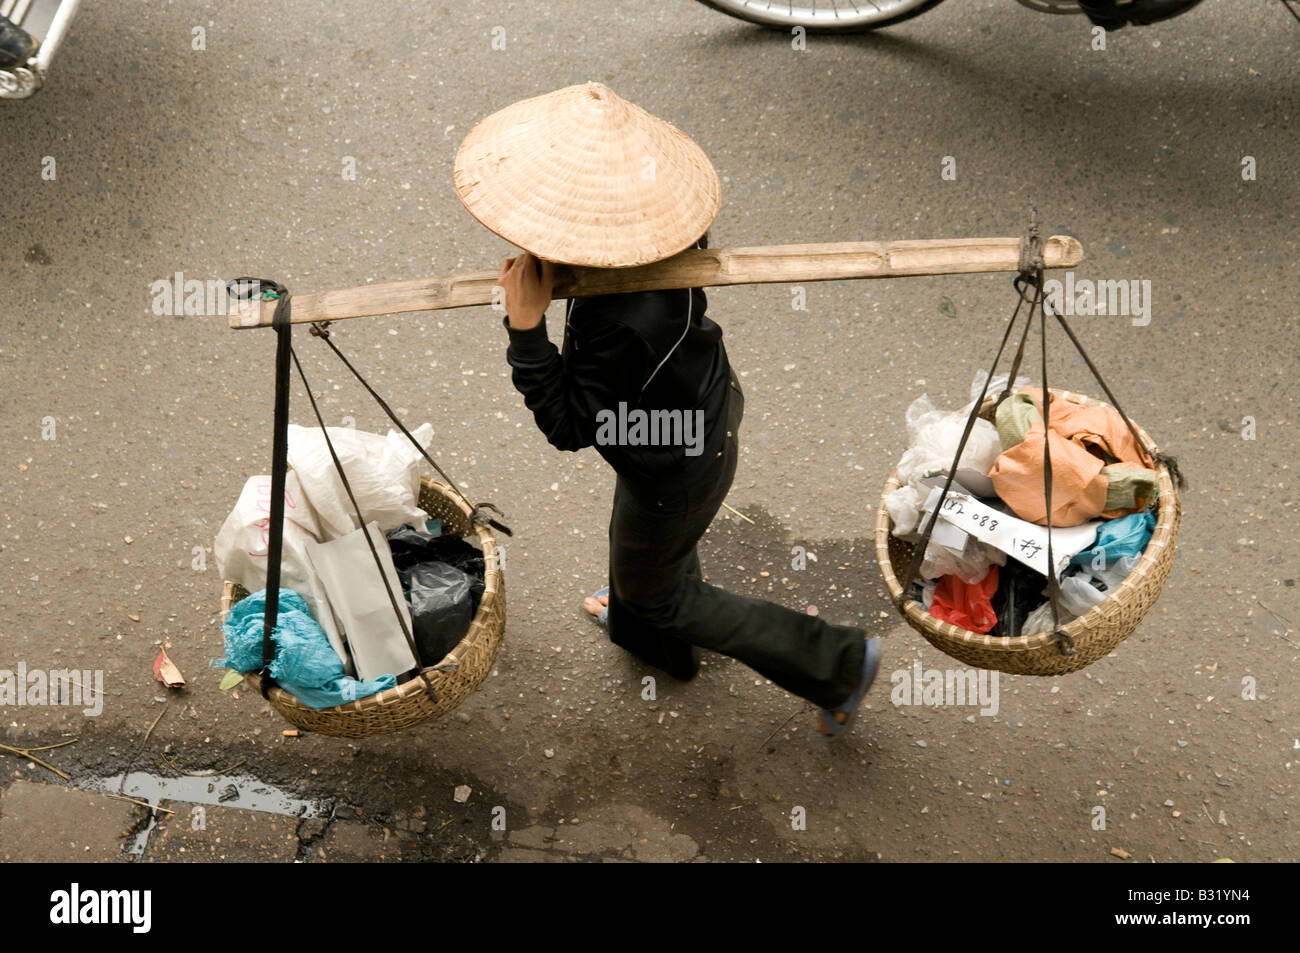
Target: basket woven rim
492,578
1161,538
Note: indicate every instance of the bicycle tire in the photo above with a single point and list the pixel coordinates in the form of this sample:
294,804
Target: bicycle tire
730,8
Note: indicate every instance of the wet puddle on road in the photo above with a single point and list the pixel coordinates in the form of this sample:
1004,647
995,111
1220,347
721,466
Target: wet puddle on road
225,790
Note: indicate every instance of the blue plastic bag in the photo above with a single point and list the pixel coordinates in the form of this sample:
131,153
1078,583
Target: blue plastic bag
1123,539
305,664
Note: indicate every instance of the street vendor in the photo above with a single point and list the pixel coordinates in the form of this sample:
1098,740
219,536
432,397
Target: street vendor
583,177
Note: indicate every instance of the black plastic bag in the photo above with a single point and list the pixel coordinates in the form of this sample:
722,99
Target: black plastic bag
410,547
442,579
1019,592
442,606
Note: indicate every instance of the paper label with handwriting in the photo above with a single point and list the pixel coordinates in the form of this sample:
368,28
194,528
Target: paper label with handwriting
1020,539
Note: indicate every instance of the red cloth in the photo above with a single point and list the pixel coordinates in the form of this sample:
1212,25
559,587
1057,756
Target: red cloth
966,606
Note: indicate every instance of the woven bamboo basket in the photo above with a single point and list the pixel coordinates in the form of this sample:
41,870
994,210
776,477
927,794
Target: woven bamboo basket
1095,634
408,704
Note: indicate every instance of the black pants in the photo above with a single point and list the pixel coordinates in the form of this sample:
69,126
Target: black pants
661,610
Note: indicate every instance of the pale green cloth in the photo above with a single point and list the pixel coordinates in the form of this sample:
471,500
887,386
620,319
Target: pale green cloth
1014,418
1130,487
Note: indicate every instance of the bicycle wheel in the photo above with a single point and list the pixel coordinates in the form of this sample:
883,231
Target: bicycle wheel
1052,6
823,16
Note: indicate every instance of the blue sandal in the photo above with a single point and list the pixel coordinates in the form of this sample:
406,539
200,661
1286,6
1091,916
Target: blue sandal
830,727
603,618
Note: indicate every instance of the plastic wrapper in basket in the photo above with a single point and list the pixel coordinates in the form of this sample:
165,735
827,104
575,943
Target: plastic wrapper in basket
1095,634
409,704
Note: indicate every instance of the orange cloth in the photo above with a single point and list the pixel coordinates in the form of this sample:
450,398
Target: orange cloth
1083,439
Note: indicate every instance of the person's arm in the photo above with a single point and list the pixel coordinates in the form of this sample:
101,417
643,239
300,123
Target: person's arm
564,396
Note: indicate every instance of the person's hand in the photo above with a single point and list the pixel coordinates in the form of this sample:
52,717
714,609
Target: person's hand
527,293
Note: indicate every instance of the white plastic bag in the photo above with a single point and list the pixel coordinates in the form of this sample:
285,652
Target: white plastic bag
1080,593
934,435
360,602
384,474
970,564
904,508
1114,575
241,548
1040,620
995,386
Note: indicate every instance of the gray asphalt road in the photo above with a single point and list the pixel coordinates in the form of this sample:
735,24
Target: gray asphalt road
229,160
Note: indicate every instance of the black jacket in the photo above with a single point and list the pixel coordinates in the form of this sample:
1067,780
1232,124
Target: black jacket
614,352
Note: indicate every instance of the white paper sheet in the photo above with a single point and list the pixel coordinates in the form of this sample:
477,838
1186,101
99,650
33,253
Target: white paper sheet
360,604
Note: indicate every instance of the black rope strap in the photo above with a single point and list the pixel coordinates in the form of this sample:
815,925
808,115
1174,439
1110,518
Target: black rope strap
1031,249
1169,462
477,512
1031,262
1064,641
1015,363
258,289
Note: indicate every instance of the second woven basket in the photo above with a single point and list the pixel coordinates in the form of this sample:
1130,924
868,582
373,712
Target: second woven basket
406,705
1095,634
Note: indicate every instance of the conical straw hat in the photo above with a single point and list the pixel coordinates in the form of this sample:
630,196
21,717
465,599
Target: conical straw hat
581,176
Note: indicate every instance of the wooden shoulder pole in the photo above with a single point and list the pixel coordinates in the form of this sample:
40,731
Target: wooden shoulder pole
693,268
